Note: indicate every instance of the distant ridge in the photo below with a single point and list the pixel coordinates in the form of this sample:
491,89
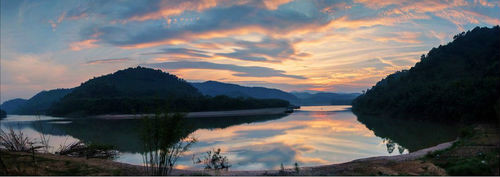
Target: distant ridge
38,104
325,98
11,106
214,88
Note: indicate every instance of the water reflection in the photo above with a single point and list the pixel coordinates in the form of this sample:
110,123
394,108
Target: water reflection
313,136
411,134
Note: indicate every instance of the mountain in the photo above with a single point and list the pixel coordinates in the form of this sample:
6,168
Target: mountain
125,91
325,98
11,106
457,82
41,102
145,90
213,88
38,104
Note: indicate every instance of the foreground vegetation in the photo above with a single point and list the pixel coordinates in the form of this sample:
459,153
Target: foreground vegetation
476,153
23,163
457,82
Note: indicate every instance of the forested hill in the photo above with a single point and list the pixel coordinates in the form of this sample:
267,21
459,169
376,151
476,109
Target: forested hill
145,90
456,82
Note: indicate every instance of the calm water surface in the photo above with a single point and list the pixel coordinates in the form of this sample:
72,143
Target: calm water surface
314,135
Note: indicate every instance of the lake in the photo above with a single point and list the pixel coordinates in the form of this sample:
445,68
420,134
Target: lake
313,135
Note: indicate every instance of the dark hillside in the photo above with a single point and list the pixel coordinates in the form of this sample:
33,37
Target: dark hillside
11,106
145,90
41,102
456,82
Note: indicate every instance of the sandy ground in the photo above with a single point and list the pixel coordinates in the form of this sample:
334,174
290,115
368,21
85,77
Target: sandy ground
246,112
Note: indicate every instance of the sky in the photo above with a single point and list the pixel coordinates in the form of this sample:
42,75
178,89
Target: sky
293,45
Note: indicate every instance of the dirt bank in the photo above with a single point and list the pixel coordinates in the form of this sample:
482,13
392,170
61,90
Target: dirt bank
49,164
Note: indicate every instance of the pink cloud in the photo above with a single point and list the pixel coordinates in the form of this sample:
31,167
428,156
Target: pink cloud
86,44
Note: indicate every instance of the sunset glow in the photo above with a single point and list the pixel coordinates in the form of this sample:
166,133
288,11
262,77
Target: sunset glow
293,45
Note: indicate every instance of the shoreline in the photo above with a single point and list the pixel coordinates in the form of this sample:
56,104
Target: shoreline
363,166
204,114
312,170
448,158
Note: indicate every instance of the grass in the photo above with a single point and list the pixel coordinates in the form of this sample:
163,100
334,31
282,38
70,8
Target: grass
16,141
473,166
476,153
20,163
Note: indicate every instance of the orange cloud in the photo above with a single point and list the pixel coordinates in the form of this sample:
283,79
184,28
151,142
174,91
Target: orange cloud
86,44
274,4
374,4
403,37
487,19
169,8
443,9
485,3
172,8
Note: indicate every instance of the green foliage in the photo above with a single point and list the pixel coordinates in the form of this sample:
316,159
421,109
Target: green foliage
473,166
466,132
457,82
144,90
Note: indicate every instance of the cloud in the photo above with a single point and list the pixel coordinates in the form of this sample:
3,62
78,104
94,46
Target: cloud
73,14
109,60
402,37
217,22
242,71
25,75
85,44
274,4
486,3
181,53
451,10
274,50
29,69
157,9
267,49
